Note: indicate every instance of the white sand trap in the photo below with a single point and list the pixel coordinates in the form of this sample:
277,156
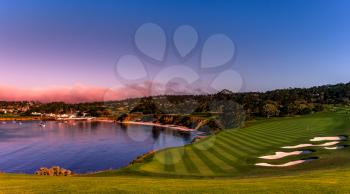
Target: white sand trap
298,146
335,138
292,163
311,145
334,148
279,155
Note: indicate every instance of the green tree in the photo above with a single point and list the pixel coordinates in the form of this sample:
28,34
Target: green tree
230,113
270,109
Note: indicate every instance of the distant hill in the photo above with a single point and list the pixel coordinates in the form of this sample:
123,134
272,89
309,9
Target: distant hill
279,102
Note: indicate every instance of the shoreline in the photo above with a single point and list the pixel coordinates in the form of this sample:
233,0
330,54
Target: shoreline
102,119
177,127
20,118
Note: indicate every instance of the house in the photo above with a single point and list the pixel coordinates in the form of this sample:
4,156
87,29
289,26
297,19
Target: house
36,114
50,115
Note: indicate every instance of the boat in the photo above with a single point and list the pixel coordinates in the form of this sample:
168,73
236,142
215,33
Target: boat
42,124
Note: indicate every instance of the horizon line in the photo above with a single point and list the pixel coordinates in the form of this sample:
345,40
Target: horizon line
91,94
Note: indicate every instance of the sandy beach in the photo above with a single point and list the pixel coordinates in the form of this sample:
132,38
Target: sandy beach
180,128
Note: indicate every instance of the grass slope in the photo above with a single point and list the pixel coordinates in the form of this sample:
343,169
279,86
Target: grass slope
234,152
324,181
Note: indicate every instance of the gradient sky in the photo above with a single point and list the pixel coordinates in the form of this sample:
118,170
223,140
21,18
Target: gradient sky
280,43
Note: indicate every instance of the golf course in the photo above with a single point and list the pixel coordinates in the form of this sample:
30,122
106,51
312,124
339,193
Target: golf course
176,96
224,163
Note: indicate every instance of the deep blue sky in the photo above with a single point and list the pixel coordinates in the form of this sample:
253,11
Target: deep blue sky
280,43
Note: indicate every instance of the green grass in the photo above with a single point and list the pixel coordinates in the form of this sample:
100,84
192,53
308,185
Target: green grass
223,163
234,152
320,181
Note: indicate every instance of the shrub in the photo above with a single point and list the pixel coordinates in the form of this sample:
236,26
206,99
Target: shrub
53,171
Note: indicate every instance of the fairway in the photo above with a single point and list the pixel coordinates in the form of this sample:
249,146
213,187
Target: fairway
324,181
234,152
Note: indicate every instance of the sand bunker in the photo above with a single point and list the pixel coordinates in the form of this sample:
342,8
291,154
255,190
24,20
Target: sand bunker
279,155
335,138
336,147
292,163
298,146
311,145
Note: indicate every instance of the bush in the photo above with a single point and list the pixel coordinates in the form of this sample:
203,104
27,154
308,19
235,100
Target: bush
53,171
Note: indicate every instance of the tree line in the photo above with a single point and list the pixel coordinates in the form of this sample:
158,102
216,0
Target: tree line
275,103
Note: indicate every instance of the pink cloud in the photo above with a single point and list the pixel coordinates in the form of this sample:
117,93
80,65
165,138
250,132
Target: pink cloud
84,93
76,93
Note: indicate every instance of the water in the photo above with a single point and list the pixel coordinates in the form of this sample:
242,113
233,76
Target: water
79,146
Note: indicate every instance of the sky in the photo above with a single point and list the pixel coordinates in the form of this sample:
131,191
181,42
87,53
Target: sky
74,47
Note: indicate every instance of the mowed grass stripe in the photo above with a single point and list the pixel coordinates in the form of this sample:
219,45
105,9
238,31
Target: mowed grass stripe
233,151
234,138
262,142
226,167
189,164
234,145
200,164
299,126
255,135
277,135
269,139
222,157
272,128
247,144
237,145
277,130
266,134
206,160
291,122
178,161
282,136
227,152
265,137
291,130
277,127
157,164
168,159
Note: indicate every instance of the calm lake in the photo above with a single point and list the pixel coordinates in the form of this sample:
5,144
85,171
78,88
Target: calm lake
79,146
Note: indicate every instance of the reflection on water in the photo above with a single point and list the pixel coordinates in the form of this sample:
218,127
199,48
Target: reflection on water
79,146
